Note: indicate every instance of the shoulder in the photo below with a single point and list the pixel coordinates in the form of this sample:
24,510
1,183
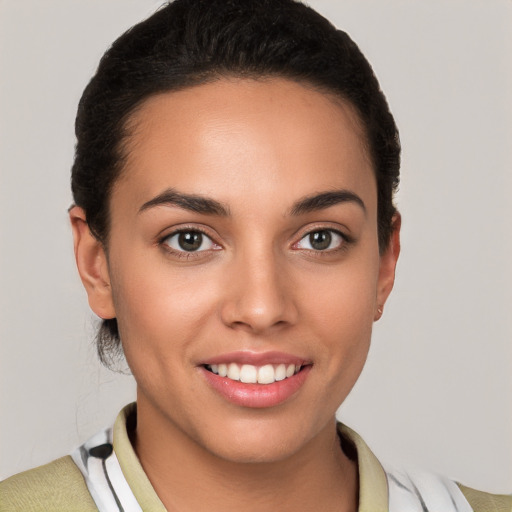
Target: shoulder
56,486
413,490
418,490
486,502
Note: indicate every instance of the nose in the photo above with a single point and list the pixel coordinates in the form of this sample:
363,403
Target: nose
259,295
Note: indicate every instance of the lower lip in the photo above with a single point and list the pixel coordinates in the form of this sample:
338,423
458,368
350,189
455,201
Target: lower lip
256,395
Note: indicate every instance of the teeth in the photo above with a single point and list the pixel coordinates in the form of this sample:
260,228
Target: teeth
251,374
281,372
266,374
233,371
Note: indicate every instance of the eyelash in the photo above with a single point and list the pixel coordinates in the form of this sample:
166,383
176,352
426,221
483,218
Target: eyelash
346,241
344,244
187,255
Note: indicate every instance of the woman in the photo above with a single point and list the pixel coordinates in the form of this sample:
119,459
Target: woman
234,228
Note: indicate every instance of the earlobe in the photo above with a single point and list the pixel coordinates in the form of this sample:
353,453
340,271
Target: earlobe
92,265
387,267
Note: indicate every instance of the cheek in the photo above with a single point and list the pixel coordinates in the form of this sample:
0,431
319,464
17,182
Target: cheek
343,312
160,311
345,295
345,335
346,329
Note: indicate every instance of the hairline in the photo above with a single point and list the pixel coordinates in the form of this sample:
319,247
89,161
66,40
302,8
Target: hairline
129,123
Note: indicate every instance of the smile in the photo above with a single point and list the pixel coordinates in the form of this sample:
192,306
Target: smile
255,380
251,374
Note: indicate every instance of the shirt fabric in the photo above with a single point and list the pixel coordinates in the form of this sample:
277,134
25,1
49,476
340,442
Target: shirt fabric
108,464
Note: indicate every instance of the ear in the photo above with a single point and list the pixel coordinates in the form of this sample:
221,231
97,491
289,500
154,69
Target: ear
388,260
92,265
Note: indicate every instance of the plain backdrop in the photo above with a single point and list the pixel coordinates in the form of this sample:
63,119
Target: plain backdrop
437,389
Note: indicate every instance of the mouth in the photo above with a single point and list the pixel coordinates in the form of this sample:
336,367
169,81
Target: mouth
252,374
256,380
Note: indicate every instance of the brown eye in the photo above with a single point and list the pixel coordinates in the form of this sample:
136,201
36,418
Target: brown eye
322,240
189,241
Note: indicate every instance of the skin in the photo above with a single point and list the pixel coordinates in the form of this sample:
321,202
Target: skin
258,147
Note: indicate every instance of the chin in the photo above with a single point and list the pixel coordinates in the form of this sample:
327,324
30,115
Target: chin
256,452
258,442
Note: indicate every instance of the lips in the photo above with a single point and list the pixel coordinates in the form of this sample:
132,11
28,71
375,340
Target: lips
256,380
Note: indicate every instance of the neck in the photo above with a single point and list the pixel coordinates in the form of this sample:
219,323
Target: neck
186,476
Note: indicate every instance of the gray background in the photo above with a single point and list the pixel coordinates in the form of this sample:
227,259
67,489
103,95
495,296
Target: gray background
437,389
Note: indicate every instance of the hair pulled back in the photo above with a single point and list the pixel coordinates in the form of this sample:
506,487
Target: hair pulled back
192,42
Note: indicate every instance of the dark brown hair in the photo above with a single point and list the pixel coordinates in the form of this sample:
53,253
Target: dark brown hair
192,42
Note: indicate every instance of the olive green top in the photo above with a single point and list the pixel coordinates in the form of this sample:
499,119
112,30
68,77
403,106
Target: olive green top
59,486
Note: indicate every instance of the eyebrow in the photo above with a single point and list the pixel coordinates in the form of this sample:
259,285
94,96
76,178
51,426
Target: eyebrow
207,206
325,200
191,202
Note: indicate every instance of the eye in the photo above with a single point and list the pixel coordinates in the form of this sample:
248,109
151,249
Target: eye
189,241
321,240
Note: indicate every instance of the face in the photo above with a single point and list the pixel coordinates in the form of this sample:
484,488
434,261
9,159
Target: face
243,263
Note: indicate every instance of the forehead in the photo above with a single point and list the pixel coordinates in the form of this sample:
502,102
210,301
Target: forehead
272,137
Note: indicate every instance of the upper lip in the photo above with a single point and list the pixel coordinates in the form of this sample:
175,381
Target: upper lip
256,358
